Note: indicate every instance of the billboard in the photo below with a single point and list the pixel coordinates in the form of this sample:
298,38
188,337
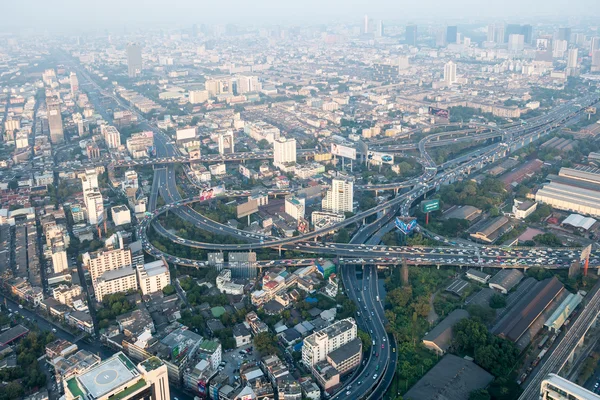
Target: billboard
210,193
202,387
302,225
185,133
439,112
430,205
247,208
343,151
406,227
380,158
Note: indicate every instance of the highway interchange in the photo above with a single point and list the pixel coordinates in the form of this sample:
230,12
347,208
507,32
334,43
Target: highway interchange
358,252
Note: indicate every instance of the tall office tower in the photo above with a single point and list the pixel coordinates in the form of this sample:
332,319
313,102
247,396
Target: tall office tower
516,43
246,84
511,29
450,73
339,198
134,59
95,206
559,48
491,32
596,61
57,134
572,58
74,83
452,34
89,180
557,387
194,30
379,29
318,345
594,44
284,152
198,96
564,34
117,377
226,144
500,29
366,24
112,137
411,35
527,32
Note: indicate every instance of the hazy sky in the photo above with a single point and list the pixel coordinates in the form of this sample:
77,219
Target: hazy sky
64,14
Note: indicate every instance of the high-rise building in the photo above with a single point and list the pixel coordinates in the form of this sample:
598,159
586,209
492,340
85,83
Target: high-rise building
226,143
318,345
572,58
284,152
112,137
379,30
247,84
594,44
596,61
557,387
452,34
295,207
527,32
89,180
55,121
450,73
411,35
94,205
340,197
59,259
499,34
516,42
366,24
559,48
99,262
74,83
491,32
134,59
564,34
154,276
118,378
116,281
198,96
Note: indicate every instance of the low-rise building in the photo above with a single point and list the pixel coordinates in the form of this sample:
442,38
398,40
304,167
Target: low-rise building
523,208
440,337
115,281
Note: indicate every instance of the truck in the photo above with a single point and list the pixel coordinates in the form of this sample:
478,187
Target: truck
543,342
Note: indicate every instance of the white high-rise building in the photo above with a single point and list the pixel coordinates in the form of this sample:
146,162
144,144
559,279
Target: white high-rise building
557,387
74,83
450,73
572,58
559,48
55,124
491,31
319,344
295,207
112,137
89,180
516,42
95,206
226,144
198,96
284,152
99,262
153,277
340,197
366,24
594,44
248,83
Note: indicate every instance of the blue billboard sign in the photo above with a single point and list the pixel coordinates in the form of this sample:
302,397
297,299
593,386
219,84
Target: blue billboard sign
406,227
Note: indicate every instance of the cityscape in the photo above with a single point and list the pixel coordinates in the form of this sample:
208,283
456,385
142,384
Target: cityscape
273,201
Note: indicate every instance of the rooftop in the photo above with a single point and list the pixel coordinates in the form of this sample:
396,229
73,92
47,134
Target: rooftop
104,378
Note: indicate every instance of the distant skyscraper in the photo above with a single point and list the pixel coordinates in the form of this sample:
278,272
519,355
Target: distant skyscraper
491,32
564,34
366,24
379,31
339,198
284,151
55,121
527,32
450,73
134,59
594,44
572,59
452,34
511,29
411,35
500,39
516,42
74,83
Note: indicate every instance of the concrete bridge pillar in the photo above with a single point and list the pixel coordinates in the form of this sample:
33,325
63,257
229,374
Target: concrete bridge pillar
595,322
376,192
571,356
364,221
395,192
279,250
438,266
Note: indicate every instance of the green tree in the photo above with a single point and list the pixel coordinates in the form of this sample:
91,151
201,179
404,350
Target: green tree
342,236
481,394
168,290
497,301
469,334
366,340
265,343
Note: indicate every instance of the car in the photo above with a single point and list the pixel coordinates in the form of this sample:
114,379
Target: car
376,354
374,376
382,346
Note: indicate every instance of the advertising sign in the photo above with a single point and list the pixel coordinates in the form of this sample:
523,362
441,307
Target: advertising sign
585,253
439,112
406,227
380,158
202,387
248,208
430,205
210,193
343,151
302,225
194,154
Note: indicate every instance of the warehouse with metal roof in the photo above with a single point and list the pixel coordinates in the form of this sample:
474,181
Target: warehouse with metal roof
505,280
439,338
574,189
563,312
491,230
521,320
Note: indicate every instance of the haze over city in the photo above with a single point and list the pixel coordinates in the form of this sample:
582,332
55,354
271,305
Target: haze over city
252,200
